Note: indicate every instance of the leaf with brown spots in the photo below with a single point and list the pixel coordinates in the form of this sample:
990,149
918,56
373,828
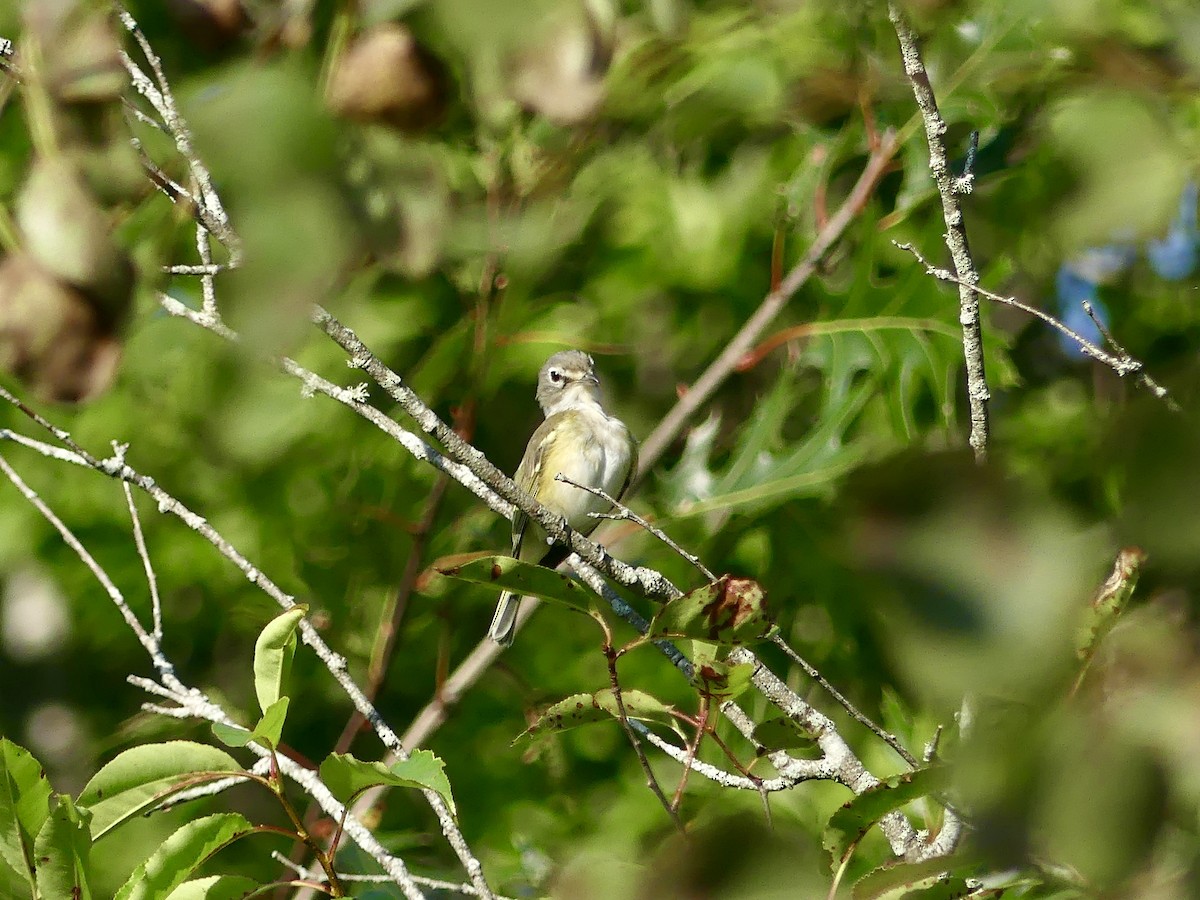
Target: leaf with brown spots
527,579
729,611
585,709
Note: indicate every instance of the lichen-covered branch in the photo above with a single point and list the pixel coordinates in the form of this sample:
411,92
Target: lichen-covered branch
956,230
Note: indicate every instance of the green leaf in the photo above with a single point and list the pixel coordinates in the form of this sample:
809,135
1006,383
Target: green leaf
847,826
273,654
930,879
585,709
215,887
345,776
267,732
510,574
179,855
24,806
142,777
729,611
61,849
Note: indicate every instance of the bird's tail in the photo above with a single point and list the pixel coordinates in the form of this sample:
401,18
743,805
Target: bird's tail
504,622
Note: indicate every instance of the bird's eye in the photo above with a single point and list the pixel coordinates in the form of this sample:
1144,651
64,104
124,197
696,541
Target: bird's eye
555,375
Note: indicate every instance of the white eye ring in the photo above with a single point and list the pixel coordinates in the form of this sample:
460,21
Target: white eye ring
555,375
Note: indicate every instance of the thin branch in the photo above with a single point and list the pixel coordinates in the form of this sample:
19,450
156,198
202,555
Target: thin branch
965,183
355,399
158,93
850,771
601,588
1120,362
149,644
743,342
625,513
711,772
610,656
956,230
649,583
139,540
929,755
693,749
424,881
886,736
194,702
1144,379
335,663
196,270
208,290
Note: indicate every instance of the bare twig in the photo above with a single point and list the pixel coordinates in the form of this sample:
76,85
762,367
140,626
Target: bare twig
931,746
355,399
886,736
846,766
965,183
610,656
424,881
196,270
715,774
956,230
335,663
1144,379
625,513
139,541
719,369
191,702
693,749
158,93
649,583
1120,361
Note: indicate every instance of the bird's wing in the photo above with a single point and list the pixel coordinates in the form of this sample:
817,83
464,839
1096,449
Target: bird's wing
527,476
633,465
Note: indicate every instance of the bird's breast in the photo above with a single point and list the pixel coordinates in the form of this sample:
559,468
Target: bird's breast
602,461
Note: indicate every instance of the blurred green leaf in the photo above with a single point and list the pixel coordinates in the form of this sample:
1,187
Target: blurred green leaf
929,880
781,733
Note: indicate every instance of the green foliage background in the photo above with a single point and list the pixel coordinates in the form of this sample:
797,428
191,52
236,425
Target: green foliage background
833,470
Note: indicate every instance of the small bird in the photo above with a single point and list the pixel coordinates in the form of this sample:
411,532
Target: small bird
584,443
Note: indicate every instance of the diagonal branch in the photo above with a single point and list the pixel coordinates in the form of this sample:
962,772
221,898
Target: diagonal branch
649,583
116,467
194,703
743,342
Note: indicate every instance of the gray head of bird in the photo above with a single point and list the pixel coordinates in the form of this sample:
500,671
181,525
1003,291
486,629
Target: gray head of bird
567,379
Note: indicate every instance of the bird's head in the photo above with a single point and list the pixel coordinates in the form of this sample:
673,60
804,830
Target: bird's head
567,379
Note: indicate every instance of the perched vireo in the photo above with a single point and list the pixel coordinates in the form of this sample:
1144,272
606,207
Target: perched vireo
584,443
